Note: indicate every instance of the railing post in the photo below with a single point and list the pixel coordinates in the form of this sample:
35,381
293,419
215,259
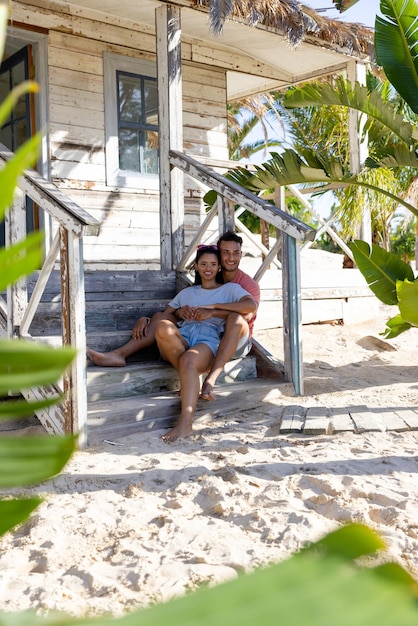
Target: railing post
226,217
74,333
17,294
292,317
168,30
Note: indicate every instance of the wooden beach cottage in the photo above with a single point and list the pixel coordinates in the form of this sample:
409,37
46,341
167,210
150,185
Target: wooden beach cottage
133,107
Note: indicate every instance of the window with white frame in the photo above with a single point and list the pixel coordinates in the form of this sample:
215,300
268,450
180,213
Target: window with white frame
131,116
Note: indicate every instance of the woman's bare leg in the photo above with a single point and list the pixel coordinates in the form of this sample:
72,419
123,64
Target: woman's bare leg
190,364
139,341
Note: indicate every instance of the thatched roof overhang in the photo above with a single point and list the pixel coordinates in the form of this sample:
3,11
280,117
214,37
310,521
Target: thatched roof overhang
263,45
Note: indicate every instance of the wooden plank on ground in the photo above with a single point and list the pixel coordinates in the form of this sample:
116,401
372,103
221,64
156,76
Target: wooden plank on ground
390,420
317,421
409,417
293,419
340,421
364,420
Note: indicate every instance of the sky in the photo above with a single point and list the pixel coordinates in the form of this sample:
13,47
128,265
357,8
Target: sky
363,12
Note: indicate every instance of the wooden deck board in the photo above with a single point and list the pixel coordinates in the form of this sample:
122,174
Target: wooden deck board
409,417
317,421
293,419
341,421
364,420
391,421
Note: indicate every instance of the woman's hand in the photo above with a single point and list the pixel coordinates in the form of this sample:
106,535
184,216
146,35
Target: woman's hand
202,313
186,313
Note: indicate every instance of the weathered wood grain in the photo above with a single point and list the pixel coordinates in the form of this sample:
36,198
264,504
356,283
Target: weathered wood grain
293,419
317,421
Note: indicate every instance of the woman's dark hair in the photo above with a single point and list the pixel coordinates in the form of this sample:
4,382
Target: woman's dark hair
212,249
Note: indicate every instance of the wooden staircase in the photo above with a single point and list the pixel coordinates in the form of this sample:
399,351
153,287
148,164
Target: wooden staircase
144,394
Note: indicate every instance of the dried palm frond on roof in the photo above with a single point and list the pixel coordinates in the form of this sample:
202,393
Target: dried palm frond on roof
293,20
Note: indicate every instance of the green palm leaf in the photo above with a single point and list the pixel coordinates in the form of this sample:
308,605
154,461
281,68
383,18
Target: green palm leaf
392,157
381,269
355,97
396,42
288,168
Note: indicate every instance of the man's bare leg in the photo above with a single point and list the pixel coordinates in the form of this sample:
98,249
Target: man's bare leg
235,328
140,340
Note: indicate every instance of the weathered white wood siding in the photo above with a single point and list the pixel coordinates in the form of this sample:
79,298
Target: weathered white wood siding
76,44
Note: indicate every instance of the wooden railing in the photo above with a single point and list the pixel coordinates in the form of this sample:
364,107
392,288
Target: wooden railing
71,223
292,233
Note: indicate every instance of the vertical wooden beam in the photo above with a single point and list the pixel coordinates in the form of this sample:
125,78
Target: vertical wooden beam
170,120
226,215
356,72
17,294
292,316
74,334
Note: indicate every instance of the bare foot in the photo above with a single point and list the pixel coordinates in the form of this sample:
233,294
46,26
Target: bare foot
178,432
206,392
106,359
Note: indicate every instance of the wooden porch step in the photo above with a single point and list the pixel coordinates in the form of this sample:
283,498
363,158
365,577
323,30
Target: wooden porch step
124,416
109,383
110,420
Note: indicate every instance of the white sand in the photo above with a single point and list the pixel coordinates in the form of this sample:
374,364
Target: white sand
140,522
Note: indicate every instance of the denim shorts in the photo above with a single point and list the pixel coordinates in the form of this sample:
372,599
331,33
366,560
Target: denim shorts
197,332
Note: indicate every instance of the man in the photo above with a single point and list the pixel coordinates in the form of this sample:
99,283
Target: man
236,340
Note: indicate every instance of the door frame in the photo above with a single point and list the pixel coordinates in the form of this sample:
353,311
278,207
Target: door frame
39,43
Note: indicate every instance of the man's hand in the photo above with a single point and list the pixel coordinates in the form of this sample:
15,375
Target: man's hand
141,328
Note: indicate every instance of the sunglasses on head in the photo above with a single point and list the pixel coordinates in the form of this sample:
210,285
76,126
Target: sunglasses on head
205,247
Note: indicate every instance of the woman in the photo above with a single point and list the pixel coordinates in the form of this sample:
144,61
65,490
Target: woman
191,346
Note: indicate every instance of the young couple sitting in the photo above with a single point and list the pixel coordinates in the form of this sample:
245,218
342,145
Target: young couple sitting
202,328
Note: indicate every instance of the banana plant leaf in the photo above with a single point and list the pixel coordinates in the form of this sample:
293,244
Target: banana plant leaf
13,512
395,326
15,409
396,43
24,158
319,587
408,300
24,364
29,460
381,269
20,259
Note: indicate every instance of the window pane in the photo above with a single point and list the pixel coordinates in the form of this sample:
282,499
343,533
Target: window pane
6,136
129,159
151,153
151,102
130,100
138,123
